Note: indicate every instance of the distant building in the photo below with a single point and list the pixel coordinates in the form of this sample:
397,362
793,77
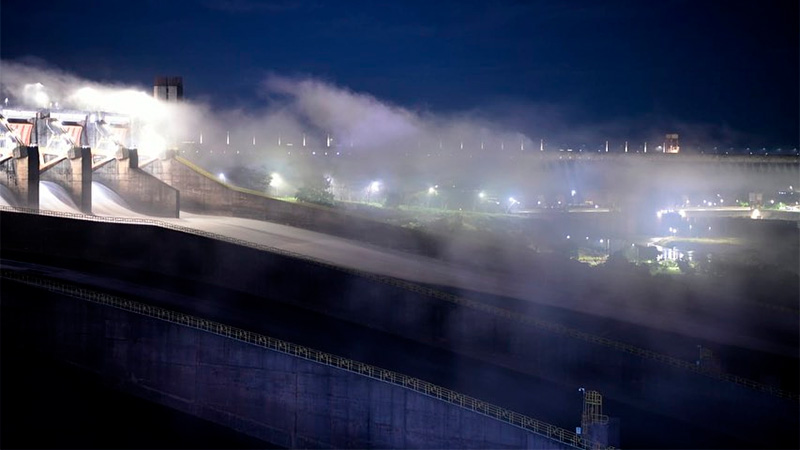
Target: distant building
168,89
671,144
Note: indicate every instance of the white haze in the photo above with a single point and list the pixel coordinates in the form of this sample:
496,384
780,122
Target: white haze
388,142
295,108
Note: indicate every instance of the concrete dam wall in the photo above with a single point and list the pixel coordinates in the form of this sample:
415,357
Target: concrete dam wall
283,399
202,192
144,192
476,330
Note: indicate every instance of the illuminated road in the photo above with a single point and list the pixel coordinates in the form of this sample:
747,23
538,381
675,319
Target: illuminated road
788,213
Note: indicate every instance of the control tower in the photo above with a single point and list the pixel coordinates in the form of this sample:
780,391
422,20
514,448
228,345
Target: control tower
168,89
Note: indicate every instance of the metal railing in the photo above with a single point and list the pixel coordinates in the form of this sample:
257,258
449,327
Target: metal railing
414,384
552,327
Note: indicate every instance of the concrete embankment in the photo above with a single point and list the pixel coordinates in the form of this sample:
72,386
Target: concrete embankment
626,379
299,400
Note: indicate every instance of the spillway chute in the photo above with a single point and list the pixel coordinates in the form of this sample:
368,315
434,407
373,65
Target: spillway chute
106,202
53,197
7,197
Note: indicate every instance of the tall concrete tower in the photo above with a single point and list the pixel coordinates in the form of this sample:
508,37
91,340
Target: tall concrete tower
168,89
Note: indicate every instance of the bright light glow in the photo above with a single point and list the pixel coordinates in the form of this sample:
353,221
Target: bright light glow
277,180
756,214
41,98
572,192
431,190
35,93
88,97
150,142
567,236
682,213
482,194
375,186
512,200
221,177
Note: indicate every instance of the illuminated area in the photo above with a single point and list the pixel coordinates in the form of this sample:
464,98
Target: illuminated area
603,234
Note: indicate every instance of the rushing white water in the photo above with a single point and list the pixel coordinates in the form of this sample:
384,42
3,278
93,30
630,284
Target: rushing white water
6,197
106,202
53,197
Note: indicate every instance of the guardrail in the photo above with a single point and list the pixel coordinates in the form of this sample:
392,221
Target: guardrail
415,384
474,304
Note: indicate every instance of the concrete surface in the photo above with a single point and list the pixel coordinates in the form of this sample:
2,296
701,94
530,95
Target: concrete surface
74,173
279,398
621,377
143,192
20,175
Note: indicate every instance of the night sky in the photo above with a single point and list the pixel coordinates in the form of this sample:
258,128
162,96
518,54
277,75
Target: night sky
729,66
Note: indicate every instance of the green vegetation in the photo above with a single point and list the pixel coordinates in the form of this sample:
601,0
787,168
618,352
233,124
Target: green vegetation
256,179
591,257
778,205
316,190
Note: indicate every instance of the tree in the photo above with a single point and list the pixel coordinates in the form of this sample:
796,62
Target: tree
250,178
316,190
618,260
393,199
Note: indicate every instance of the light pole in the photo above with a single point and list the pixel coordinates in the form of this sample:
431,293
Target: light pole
373,187
511,202
481,196
431,192
276,182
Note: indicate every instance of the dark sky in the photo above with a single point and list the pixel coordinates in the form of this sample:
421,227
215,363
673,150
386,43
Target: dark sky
725,64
